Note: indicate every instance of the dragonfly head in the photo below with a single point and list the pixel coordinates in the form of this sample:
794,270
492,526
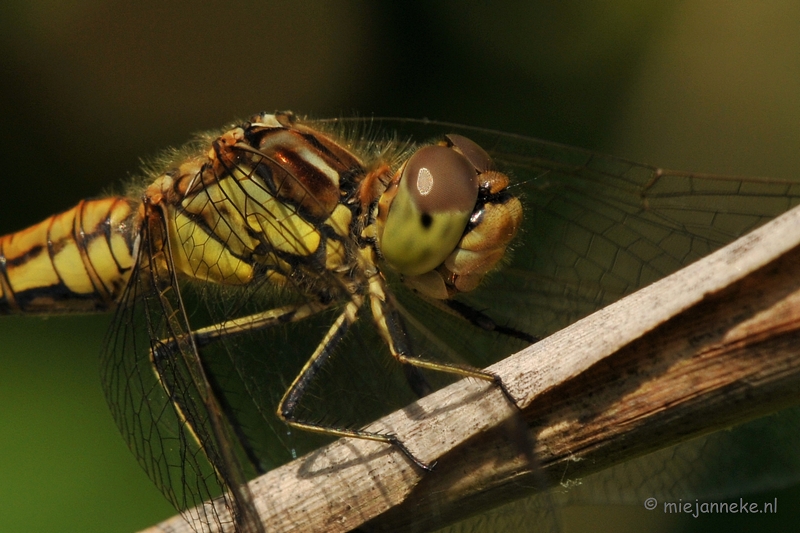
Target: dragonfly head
446,218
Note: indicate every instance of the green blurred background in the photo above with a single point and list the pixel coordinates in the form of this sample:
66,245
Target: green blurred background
89,87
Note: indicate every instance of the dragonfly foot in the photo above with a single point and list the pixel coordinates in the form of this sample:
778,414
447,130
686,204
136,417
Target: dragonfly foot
427,467
497,380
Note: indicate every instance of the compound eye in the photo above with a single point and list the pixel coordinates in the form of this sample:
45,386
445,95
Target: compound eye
437,193
474,153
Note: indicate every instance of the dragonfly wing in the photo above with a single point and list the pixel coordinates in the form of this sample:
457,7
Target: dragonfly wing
169,413
595,229
601,228
756,456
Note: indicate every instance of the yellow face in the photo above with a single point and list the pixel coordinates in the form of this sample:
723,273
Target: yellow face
445,218
436,195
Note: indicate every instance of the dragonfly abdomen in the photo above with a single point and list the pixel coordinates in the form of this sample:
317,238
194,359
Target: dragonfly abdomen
76,261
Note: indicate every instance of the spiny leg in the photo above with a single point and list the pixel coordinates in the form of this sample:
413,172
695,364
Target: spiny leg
162,355
273,317
393,332
297,389
386,315
485,322
478,318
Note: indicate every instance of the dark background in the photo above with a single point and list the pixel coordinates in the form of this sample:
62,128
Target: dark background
88,88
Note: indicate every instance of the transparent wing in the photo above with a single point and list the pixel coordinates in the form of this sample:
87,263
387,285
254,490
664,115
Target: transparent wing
597,228
754,457
167,407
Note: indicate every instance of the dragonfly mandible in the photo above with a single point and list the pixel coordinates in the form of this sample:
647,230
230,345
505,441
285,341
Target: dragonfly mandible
248,258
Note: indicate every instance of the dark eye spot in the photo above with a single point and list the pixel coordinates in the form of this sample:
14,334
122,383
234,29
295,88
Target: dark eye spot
426,220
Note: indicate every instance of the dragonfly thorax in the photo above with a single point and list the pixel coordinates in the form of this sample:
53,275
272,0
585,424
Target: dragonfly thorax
268,201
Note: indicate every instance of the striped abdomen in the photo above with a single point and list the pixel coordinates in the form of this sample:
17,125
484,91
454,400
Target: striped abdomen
76,261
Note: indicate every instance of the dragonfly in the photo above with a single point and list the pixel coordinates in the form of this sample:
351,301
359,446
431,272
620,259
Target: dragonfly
285,281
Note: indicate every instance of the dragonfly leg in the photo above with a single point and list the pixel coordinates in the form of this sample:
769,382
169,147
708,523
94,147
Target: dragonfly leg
254,322
485,322
295,392
164,364
392,330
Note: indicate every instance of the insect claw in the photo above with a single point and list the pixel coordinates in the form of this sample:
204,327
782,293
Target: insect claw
501,384
402,447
